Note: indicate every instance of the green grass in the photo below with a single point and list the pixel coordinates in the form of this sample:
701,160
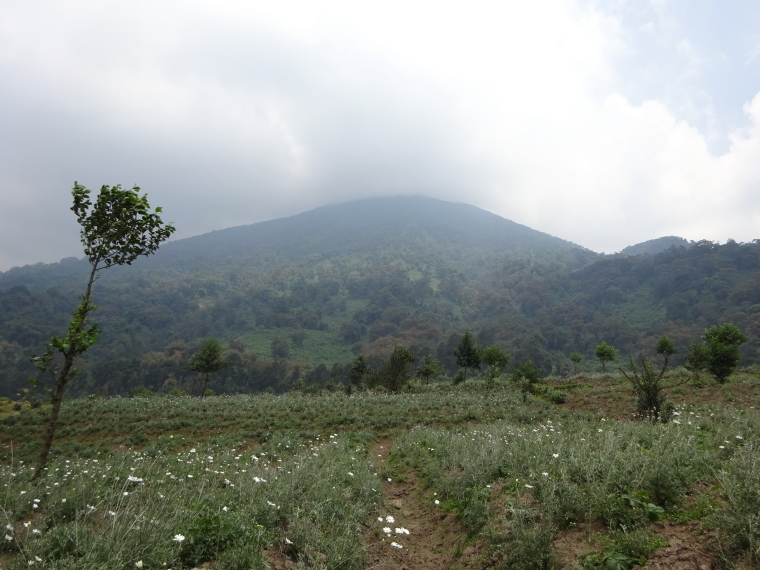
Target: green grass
516,474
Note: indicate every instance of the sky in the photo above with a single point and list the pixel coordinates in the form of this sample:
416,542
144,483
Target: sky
604,123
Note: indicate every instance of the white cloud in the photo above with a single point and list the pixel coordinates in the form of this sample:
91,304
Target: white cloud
241,111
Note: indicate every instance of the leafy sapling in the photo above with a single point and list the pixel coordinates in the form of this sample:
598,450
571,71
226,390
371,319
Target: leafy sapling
208,360
117,229
496,360
467,354
429,368
605,353
575,358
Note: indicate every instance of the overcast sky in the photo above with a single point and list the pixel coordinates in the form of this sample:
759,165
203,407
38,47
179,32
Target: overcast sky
605,123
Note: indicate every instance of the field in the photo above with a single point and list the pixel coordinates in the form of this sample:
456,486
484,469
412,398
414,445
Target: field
439,476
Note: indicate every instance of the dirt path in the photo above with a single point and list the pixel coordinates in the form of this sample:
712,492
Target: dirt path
436,539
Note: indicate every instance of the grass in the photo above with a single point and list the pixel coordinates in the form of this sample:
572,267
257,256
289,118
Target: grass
235,481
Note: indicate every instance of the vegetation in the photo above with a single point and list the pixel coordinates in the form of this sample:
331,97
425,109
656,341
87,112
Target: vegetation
240,481
417,276
207,361
467,354
118,229
605,353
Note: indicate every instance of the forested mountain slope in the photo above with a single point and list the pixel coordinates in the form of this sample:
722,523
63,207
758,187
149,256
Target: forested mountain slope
365,276
656,245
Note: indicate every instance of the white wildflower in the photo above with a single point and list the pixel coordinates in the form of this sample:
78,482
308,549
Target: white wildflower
178,538
396,545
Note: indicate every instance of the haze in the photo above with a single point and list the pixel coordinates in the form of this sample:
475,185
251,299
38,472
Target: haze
606,123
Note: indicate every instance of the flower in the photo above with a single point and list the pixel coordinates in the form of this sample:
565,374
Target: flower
287,541
35,531
139,564
545,474
401,530
178,537
225,509
379,519
386,530
8,537
555,455
396,545
437,502
528,486
390,519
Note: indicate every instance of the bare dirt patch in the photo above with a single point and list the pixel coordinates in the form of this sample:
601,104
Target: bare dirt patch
689,548
570,545
436,539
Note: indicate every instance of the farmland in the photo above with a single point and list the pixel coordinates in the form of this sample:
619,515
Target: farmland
437,476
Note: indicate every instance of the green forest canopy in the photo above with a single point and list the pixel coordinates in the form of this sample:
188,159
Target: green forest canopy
365,277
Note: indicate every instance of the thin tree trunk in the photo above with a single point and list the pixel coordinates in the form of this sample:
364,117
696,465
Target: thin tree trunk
63,377
50,435
203,394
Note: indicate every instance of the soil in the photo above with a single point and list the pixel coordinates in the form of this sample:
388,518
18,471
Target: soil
436,539
613,398
689,548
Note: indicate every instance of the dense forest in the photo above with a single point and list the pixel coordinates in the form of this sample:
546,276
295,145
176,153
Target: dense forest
294,300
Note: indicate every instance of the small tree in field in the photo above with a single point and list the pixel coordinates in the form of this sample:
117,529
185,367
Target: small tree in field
526,377
648,383
359,370
394,374
719,354
723,350
467,354
496,360
575,358
208,360
428,368
116,230
605,353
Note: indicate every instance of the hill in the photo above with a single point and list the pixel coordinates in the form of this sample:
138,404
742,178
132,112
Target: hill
658,245
363,277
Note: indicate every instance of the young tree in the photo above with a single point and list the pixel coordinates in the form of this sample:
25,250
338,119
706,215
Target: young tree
575,358
526,377
467,354
394,374
648,383
208,360
428,368
359,369
605,353
496,360
722,342
696,359
116,230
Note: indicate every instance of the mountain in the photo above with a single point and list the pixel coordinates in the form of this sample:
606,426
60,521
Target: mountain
453,231
658,245
296,298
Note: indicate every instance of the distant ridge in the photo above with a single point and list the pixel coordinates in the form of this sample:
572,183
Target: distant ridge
361,225
458,232
658,245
